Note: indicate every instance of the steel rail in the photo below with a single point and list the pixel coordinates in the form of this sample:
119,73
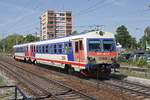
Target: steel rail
58,83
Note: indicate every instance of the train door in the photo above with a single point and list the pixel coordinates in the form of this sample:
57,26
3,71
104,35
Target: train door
26,51
78,50
32,50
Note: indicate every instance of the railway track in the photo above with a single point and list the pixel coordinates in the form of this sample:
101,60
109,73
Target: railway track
133,89
109,84
136,90
42,85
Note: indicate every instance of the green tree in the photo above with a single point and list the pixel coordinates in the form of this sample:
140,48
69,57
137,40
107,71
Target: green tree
147,34
133,43
147,37
124,38
74,32
8,42
142,43
30,38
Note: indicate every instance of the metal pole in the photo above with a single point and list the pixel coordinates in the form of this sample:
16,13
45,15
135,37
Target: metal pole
97,77
15,93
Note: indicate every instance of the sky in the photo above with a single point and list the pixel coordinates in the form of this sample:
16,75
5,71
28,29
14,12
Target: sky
23,16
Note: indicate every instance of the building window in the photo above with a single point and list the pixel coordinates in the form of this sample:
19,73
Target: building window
68,19
50,18
51,22
50,26
62,14
68,14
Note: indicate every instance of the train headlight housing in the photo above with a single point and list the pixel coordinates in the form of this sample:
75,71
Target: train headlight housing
101,33
91,59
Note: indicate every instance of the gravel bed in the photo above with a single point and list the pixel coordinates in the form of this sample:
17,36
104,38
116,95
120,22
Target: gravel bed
101,93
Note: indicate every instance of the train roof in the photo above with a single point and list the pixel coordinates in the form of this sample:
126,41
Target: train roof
92,34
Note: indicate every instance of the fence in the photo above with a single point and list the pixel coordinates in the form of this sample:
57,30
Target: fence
136,71
12,92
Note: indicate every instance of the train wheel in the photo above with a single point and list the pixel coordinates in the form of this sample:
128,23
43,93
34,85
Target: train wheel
35,62
29,61
14,57
25,60
69,69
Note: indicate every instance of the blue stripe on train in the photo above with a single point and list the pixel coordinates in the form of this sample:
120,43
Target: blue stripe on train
70,56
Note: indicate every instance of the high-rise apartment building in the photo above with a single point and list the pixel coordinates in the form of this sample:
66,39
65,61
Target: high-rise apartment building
54,24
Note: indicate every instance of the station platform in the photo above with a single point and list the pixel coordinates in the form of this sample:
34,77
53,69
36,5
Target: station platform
142,81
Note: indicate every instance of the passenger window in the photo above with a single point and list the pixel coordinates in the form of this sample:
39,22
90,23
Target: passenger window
50,48
81,45
60,48
43,49
36,48
66,48
40,49
70,45
76,47
55,50
46,48
60,51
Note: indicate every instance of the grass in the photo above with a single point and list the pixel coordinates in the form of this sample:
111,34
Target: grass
129,72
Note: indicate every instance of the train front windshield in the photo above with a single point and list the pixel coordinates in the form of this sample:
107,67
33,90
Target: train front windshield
109,45
94,45
97,45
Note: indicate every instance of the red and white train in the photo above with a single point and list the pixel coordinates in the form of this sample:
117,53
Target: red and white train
87,53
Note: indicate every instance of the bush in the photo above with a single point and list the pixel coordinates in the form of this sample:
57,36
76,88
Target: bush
140,62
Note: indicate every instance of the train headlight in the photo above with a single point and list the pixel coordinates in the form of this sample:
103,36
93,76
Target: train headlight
91,59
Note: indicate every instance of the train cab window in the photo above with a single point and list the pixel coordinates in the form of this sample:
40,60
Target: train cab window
109,45
94,45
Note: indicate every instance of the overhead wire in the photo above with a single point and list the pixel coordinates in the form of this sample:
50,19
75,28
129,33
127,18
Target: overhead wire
94,8
91,7
23,16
